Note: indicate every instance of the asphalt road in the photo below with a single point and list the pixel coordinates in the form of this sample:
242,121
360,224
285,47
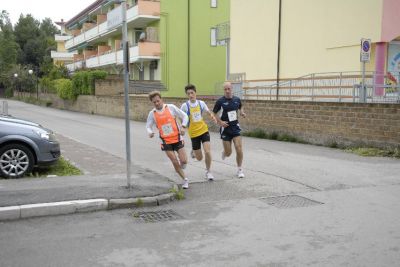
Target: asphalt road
340,209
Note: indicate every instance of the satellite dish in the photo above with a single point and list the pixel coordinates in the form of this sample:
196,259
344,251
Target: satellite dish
142,37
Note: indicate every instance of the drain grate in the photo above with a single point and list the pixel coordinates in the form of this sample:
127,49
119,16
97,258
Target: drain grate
290,201
156,216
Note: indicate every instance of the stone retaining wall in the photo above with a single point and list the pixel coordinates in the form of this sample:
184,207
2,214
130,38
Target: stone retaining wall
318,123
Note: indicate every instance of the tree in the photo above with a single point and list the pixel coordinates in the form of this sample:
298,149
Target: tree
8,47
27,28
48,28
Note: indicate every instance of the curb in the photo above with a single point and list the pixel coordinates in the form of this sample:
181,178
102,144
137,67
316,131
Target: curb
79,206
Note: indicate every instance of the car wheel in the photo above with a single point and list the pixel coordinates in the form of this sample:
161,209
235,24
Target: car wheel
16,160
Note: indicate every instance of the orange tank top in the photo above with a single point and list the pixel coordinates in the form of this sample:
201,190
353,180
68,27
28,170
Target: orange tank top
167,126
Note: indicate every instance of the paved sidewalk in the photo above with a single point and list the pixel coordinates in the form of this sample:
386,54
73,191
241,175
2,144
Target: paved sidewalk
103,183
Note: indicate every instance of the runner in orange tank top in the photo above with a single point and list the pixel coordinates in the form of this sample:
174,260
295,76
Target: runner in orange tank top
164,117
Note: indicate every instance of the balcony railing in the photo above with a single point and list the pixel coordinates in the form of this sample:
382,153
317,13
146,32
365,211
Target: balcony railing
60,38
326,87
74,66
144,50
142,13
56,54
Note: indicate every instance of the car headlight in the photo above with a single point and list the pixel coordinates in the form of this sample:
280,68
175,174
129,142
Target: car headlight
46,136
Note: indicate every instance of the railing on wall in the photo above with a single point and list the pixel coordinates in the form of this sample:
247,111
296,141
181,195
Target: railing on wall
145,86
326,87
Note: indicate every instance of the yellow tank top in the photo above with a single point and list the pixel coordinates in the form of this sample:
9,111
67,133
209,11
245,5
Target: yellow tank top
197,125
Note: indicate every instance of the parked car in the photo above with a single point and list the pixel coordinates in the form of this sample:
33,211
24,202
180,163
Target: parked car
23,145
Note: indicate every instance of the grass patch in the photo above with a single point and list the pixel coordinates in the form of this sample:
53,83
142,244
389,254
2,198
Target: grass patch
178,194
374,152
361,151
61,168
139,202
259,133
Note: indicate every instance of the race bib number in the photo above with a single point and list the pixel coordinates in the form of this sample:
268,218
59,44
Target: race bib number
232,115
196,116
167,129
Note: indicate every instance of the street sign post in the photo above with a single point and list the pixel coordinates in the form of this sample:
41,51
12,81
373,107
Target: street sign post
365,56
115,18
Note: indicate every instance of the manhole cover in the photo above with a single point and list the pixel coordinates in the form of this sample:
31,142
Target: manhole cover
156,216
290,201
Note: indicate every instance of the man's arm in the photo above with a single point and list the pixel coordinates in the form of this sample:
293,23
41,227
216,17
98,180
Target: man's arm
149,124
207,110
216,109
242,113
241,110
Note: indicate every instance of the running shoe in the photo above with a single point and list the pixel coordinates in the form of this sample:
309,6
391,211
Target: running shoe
209,176
240,173
185,184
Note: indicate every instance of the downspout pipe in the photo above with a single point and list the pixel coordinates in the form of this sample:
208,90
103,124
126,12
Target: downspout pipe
188,33
279,51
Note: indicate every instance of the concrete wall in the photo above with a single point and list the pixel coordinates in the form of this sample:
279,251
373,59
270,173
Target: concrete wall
317,123
109,86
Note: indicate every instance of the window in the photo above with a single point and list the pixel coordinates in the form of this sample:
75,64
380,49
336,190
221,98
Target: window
213,3
213,37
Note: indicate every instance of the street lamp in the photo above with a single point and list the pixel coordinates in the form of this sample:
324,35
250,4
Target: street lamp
37,83
16,79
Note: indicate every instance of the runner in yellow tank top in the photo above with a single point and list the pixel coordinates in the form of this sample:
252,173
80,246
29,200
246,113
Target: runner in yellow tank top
198,129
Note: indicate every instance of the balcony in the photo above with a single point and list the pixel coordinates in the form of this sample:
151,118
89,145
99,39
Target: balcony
143,51
62,38
75,66
145,12
63,55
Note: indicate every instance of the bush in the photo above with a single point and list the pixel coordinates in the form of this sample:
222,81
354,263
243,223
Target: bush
58,72
64,89
9,93
47,85
83,81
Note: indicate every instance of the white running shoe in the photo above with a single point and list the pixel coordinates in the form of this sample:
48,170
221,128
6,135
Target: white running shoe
240,173
223,155
192,154
209,176
185,184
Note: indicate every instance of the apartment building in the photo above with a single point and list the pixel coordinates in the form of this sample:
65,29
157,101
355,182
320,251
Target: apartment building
170,42
283,39
62,56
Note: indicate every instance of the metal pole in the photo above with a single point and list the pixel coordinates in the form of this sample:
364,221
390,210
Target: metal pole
340,88
5,108
126,92
278,59
37,87
228,51
312,86
362,90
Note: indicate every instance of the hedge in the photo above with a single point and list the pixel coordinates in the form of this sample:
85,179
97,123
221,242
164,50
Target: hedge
64,89
83,81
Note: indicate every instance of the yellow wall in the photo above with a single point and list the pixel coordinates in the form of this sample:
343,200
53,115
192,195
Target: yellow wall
316,36
61,47
254,33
